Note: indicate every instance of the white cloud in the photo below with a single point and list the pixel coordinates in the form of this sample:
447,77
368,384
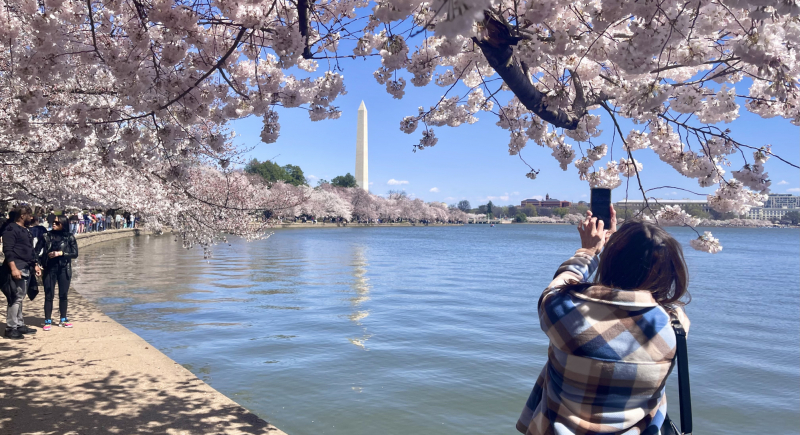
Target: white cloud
514,193
539,197
450,198
312,176
793,189
371,183
584,195
672,193
501,197
434,189
394,182
782,182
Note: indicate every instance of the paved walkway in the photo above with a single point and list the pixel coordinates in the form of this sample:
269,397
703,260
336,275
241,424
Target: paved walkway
99,377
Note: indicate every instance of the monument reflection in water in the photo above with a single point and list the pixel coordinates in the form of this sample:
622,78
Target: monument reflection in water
361,294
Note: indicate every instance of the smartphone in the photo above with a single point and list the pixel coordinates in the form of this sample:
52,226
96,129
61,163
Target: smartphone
601,205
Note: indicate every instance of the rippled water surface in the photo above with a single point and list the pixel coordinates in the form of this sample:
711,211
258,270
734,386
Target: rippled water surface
423,330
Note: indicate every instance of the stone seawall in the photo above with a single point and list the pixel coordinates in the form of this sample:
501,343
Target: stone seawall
87,239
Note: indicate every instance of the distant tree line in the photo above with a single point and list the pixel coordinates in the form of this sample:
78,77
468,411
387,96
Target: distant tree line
272,172
519,213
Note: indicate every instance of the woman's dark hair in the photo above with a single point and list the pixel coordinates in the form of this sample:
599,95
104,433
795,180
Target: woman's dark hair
64,223
642,256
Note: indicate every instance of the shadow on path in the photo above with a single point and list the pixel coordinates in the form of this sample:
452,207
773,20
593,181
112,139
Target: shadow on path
101,378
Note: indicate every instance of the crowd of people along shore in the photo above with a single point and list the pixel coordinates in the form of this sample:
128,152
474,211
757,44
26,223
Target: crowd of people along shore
82,221
38,246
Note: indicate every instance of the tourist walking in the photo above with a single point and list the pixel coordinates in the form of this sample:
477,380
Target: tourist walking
17,268
50,218
73,222
60,248
611,340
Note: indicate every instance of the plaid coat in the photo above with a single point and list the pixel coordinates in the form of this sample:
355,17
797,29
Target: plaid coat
609,357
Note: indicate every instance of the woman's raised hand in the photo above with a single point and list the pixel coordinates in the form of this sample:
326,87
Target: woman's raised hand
593,236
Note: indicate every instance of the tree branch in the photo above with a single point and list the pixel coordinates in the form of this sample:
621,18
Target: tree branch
94,36
302,18
496,47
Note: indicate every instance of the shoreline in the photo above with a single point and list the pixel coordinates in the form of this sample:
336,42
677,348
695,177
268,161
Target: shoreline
300,225
100,377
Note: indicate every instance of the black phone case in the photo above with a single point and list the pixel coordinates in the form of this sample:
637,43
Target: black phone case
601,205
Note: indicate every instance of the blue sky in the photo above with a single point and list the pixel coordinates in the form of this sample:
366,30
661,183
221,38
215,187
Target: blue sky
472,161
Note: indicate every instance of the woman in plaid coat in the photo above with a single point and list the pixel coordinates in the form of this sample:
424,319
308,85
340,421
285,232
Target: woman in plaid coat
611,342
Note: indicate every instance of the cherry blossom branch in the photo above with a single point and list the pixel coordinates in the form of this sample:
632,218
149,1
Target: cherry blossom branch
91,26
630,156
496,47
677,188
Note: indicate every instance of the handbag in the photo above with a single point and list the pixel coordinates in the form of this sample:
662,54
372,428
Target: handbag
684,391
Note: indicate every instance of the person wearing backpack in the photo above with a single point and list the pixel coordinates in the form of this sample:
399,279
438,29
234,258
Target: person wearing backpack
60,247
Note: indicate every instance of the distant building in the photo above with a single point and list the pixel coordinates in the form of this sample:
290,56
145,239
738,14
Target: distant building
546,202
782,200
777,205
774,208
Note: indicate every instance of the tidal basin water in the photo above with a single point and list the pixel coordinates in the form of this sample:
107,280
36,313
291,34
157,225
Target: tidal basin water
433,330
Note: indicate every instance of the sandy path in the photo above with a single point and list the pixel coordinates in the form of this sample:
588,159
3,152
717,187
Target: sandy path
99,377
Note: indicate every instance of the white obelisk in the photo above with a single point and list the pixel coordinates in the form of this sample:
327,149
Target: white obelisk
362,177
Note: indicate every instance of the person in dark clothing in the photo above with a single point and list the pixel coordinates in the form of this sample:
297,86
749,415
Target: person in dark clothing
15,274
60,248
36,231
51,217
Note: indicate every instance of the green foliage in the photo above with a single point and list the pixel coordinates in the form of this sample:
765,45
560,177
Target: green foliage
501,211
295,175
322,181
489,207
272,172
464,205
530,211
723,216
561,211
513,210
792,216
520,217
544,211
578,209
697,211
346,180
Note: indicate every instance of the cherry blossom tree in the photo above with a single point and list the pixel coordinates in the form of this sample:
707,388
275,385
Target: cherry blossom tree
100,95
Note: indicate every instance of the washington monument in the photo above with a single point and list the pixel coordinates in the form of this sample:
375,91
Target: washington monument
362,159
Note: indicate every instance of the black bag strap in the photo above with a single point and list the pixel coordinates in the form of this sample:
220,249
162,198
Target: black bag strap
684,391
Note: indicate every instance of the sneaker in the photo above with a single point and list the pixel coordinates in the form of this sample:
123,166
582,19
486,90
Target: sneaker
65,323
47,325
13,334
26,330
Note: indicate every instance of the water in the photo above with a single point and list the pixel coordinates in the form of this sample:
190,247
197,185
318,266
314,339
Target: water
434,330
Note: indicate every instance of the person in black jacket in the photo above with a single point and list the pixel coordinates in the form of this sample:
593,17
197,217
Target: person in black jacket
60,248
19,264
